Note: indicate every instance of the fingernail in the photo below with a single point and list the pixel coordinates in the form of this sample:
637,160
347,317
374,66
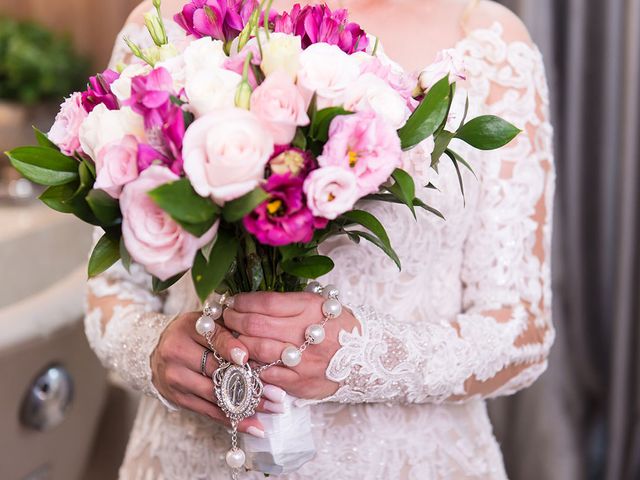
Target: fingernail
256,432
274,407
238,356
273,393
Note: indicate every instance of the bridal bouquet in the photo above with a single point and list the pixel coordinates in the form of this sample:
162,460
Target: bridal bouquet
235,153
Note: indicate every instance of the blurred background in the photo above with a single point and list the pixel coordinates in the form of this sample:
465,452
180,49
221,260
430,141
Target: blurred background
60,413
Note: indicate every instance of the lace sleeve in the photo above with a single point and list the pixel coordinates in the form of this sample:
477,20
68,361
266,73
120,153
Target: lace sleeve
123,324
500,340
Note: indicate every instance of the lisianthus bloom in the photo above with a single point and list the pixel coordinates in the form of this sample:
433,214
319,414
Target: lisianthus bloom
393,74
99,91
103,126
366,144
151,96
449,63
291,160
219,19
331,191
116,165
318,24
284,217
66,128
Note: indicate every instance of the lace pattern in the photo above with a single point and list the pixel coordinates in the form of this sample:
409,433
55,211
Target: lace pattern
471,304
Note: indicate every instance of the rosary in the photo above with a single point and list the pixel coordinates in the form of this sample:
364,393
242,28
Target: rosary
238,388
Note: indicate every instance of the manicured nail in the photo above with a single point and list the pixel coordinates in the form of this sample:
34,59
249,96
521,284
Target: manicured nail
256,432
238,356
274,407
273,393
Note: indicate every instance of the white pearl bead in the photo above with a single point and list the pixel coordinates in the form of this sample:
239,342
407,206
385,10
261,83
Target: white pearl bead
314,334
331,308
205,324
291,356
330,291
235,458
313,287
215,311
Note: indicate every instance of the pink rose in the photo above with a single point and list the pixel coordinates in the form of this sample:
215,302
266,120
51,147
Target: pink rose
66,128
225,153
331,191
151,236
280,106
117,165
365,144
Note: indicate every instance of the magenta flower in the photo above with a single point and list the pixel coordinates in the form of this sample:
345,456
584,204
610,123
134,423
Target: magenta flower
151,96
317,23
219,19
99,91
284,218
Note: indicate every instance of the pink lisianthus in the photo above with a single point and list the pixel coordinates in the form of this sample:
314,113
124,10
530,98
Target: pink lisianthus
151,96
280,106
331,191
284,218
66,128
318,24
116,165
401,82
99,91
151,236
365,144
219,19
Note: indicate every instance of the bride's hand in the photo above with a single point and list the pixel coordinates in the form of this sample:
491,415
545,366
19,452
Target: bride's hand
176,367
269,322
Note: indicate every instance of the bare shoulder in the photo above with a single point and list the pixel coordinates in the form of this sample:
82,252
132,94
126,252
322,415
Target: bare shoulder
487,12
169,8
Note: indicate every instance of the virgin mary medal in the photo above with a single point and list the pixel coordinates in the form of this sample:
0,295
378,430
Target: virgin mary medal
238,390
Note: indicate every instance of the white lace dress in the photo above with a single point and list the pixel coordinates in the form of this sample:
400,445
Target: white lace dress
468,317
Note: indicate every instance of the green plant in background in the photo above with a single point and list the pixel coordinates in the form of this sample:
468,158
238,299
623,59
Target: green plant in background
36,65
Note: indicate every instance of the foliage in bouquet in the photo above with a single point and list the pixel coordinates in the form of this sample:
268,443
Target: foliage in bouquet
36,65
237,155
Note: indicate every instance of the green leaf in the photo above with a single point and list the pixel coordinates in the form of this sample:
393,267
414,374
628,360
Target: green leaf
419,203
313,266
368,221
428,116
105,254
208,275
319,129
44,165
453,158
125,256
58,196
463,162
193,212
404,189
442,141
237,209
296,250
86,180
300,140
43,140
487,132
105,208
159,286
391,253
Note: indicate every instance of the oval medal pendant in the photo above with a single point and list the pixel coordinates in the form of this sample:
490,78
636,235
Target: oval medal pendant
238,390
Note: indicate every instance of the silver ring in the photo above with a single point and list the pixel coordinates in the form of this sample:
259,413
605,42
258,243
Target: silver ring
203,362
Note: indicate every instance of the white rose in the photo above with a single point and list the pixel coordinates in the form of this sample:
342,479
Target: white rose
327,71
209,90
103,126
448,62
282,52
203,54
370,92
225,153
121,88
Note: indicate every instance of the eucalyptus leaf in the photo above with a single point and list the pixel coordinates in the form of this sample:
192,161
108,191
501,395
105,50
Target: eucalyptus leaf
104,255
44,165
311,267
208,275
237,209
487,132
428,116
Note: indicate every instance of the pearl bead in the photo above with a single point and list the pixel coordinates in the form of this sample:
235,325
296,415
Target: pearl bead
205,324
331,308
313,287
291,356
330,291
235,458
215,311
314,334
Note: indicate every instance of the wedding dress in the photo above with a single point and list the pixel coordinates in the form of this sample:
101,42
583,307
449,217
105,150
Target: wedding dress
468,318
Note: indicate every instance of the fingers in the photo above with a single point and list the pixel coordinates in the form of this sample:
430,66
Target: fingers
272,303
284,378
264,350
223,342
264,326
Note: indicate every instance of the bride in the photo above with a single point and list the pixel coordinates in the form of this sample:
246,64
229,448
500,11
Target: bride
400,383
